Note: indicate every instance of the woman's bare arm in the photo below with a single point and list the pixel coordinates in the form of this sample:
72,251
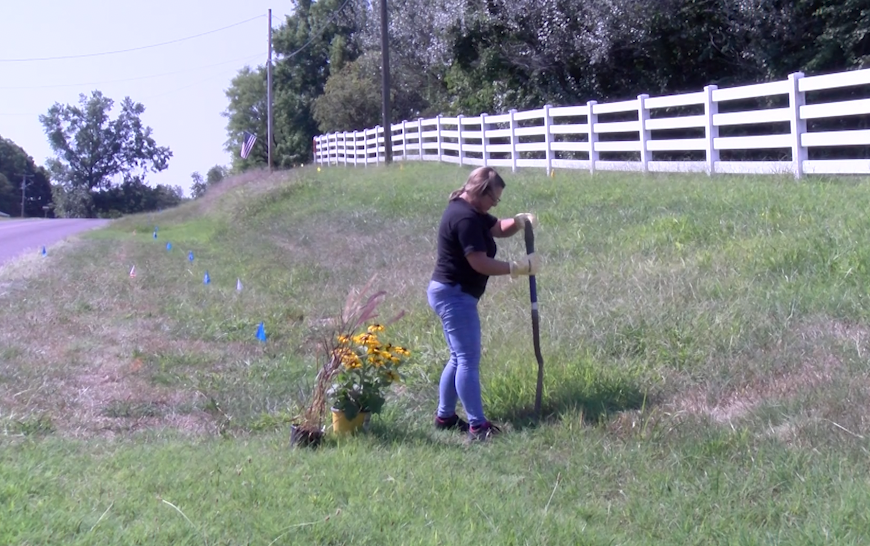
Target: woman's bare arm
505,227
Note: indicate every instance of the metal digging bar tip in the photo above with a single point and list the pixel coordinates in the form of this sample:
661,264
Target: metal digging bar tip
536,334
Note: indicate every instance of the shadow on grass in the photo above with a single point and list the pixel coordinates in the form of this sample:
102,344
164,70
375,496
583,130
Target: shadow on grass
388,434
595,401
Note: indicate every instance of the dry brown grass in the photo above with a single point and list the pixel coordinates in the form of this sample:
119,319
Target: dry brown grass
81,352
250,183
78,367
338,245
85,386
816,366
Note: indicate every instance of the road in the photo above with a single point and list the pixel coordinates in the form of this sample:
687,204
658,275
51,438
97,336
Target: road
21,236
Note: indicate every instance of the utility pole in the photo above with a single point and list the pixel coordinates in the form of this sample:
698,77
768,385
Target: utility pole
385,60
269,95
24,185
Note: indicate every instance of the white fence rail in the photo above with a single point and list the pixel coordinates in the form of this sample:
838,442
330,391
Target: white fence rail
675,133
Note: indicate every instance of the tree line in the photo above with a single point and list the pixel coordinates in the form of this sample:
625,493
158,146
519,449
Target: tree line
17,169
473,56
99,169
447,57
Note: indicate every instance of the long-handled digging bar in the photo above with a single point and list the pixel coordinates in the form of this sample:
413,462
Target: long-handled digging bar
536,334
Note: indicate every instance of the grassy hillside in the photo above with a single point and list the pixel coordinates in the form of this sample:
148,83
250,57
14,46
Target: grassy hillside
705,342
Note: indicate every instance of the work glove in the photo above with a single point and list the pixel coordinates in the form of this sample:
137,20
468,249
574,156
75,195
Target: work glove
529,264
523,217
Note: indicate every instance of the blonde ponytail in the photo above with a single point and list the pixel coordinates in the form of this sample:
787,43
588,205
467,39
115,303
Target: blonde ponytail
480,181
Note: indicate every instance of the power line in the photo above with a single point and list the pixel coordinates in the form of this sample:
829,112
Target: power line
288,56
313,37
33,59
131,79
210,78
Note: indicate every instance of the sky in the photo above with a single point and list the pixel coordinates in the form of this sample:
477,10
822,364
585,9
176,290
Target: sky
181,84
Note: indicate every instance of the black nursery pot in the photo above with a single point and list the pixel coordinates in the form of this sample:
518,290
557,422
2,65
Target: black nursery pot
301,437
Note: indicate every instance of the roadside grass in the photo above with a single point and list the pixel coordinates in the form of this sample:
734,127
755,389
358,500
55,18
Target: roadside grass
705,344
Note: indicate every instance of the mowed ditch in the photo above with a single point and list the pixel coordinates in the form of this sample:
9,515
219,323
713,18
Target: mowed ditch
705,344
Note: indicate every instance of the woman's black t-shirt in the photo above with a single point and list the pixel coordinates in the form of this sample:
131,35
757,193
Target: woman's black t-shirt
463,230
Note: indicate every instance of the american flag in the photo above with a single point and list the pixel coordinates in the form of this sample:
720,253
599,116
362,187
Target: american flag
248,145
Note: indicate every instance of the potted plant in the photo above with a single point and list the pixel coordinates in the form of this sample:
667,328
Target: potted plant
351,390
369,365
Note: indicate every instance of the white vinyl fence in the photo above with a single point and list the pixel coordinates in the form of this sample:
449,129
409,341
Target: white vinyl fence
801,123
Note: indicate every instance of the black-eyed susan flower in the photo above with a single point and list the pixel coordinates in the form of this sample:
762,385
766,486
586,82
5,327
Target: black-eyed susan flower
370,366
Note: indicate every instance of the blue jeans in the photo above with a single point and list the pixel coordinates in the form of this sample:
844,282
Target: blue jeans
460,380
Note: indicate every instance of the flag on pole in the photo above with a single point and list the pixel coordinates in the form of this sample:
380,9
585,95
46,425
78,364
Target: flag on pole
248,145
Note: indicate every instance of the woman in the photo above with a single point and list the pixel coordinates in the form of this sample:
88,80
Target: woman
466,260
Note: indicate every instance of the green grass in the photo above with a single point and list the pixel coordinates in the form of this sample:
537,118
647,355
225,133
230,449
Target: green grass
705,342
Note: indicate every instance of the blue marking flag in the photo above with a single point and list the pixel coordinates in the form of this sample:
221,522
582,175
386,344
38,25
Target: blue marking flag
261,332
248,144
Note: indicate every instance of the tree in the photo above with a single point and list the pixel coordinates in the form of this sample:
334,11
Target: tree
313,37
247,113
846,39
473,56
216,174
73,202
7,195
421,50
351,99
199,187
133,196
92,150
14,162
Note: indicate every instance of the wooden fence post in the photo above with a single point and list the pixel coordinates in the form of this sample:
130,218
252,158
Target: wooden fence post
711,130
420,136
317,157
483,139
354,148
796,99
548,139
459,136
438,136
592,117
513,124
404,141
642,116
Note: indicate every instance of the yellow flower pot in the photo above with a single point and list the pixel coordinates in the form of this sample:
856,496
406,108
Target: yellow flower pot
342,425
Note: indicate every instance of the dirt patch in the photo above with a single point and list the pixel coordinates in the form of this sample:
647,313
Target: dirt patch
109,394
740,401
116,397
817,368
79,369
